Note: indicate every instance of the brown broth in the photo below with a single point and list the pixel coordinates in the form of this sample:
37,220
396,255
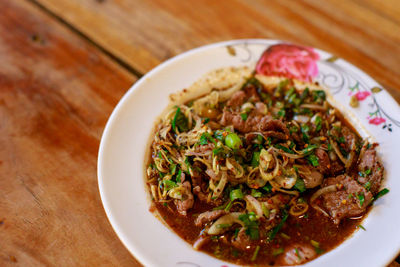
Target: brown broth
301,230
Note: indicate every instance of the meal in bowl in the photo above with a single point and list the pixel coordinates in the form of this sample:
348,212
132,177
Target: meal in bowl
256,168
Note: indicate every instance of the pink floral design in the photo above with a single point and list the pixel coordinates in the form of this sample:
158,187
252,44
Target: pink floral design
377,120
361,95
292,61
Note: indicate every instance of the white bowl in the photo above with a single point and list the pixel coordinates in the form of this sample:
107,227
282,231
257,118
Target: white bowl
124,143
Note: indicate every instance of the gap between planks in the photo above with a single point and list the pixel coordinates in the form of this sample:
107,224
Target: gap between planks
71,27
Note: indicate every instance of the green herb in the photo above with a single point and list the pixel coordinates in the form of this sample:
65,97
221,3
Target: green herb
350,196
255,159
179,121
254,257
251,224
243,116
313,160
233,141
277,251
305,128
172,169
361,198
277,228
256,193
214,237
285,236
168,184
293,129
319,94
304,94
165,204
380,194
235,235
236,194
297,253
329,147
308,149
362,227
206,120
319,251
367,172
205,137
283,148
367,185
267,188
300,186
229,205
318,123
219,134
314,243
281,113
266,211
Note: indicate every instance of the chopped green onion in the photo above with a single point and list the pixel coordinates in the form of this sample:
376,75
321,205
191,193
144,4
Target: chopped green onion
281,113
168,184
300,185
318,123
277,251
205,137
254,257
297,253
283,148
228,207
361,198
266,211
362,227
243,116
308,149
255,159
236,194
285,236
313,160
179,121
314,243
236,233
224,225
233,141
267,188
256,193
380,194
367,185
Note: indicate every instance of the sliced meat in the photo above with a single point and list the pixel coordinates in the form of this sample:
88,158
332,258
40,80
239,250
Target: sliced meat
260,109
251,93
372,171
208,216
323,161
242,241
311,177
187,201
237,99
350,200
199,193
336,168
297,254
254,123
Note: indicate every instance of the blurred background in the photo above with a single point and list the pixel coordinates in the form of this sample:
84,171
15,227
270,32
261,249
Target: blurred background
66,63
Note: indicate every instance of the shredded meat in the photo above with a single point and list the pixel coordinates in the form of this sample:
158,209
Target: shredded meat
298,254
187,202
372,169
237,99
323,161
346,202
208,216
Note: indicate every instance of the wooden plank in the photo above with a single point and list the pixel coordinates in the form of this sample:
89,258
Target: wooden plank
57,91
144,33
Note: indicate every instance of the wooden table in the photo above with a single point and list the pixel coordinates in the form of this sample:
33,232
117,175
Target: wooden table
64,64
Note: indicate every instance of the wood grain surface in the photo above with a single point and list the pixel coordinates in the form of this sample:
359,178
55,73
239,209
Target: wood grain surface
144,33
66,63
56,92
